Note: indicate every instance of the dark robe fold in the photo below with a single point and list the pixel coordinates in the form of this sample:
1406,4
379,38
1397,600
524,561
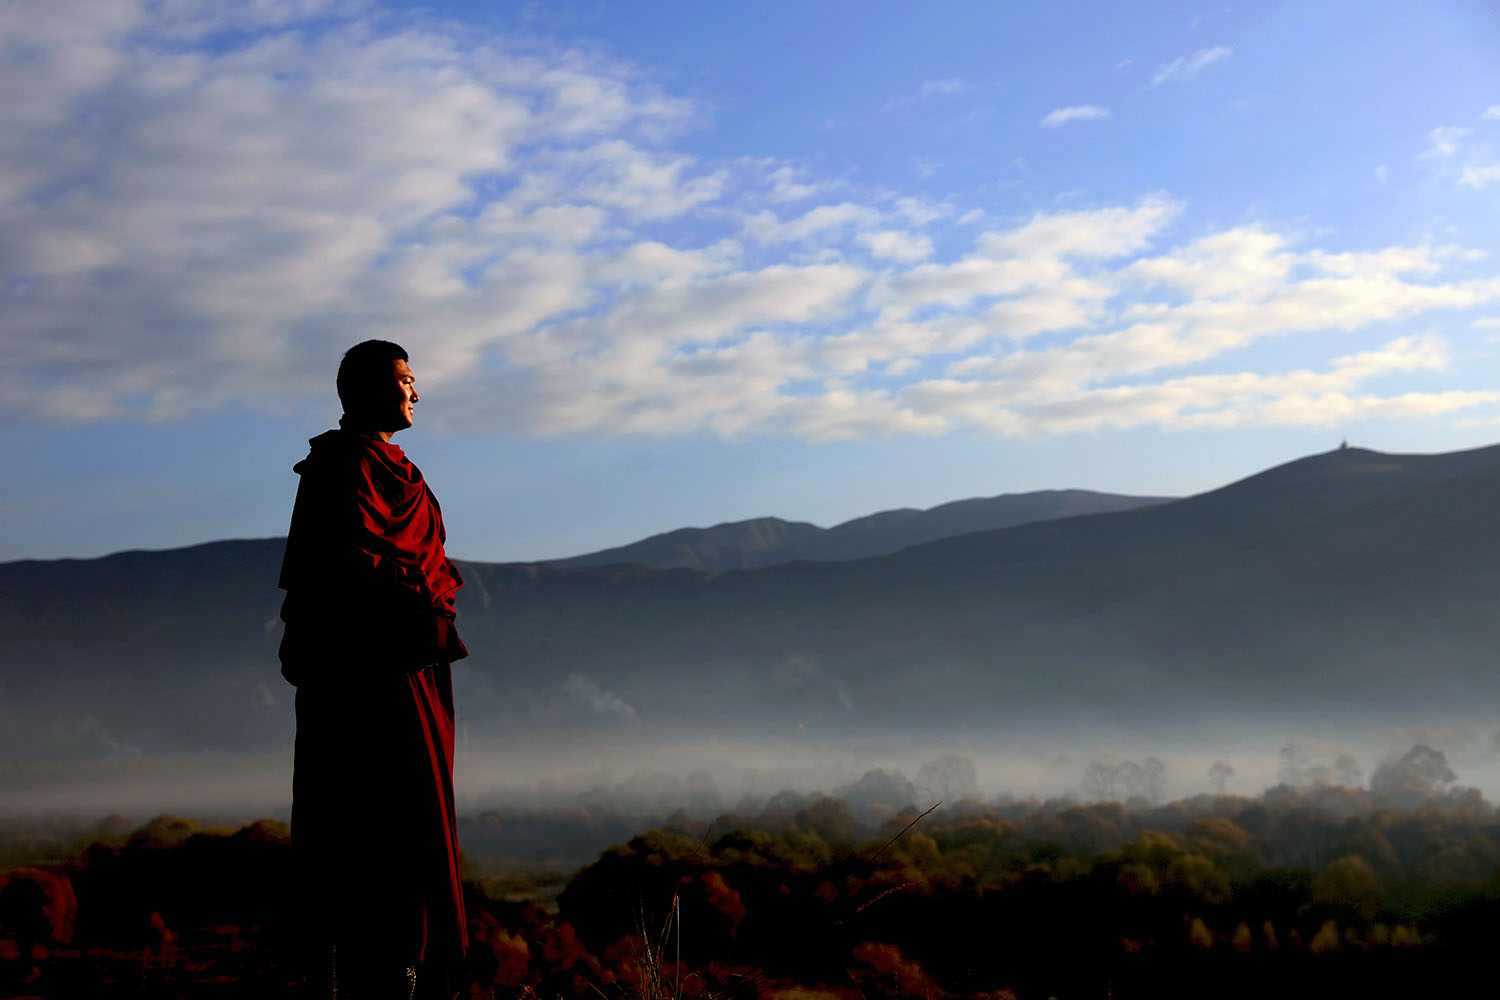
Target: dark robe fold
368,642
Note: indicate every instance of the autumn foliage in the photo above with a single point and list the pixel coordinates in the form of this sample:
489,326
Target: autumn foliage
1303,885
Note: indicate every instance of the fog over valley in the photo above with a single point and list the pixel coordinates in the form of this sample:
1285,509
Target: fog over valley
598,791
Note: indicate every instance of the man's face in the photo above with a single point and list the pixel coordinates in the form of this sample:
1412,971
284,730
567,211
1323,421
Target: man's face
401,409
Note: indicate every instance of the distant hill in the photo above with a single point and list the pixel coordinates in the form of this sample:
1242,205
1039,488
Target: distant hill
1348,584
766,541
760,541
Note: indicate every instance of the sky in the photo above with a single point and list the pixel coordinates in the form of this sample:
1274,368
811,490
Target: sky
670,264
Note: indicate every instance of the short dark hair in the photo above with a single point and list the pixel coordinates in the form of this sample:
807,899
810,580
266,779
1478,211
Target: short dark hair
365,364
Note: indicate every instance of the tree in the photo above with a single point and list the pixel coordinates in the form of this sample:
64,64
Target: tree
1417,776
1199,936
879,788
884,971
948,778
1135,783
36,907
1219,772
830,819
1293,768
1298,770
1351,887
1346,770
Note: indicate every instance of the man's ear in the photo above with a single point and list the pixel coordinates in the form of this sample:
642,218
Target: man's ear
361,406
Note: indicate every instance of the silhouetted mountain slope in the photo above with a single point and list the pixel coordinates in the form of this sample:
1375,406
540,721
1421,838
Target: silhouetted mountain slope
118,651
1345,583
767,541
1342,582
732,545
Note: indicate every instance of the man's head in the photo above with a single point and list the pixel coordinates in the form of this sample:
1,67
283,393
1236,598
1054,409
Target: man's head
377,388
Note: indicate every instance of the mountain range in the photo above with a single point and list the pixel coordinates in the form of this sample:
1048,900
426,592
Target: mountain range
766,541
1347,584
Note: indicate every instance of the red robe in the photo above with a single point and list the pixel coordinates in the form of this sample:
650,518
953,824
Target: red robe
368,642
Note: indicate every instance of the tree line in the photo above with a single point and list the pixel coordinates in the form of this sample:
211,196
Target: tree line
1308,884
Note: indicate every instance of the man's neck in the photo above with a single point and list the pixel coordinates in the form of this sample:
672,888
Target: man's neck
384,437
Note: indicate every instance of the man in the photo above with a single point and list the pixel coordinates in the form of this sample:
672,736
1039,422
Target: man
368,643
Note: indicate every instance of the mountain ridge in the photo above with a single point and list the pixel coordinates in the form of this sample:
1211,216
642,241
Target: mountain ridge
765,541
1347,582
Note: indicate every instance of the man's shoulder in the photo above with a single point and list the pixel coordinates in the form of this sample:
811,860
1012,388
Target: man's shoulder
335,452
343,463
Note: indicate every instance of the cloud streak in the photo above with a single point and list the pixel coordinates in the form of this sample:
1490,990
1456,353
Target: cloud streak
948,87
945,87
1075,113
1466,155
1185,68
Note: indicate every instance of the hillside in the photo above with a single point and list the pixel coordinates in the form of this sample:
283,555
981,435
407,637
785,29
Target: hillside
767,541
1348,584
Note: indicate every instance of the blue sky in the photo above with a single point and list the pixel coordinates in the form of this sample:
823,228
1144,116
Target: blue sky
669,264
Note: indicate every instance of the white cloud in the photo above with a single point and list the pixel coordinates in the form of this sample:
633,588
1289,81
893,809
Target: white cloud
1078,112
897,245
617,174
789,183
651,263
1065,379
303,180
712,308
524,220
1444,141
843,414
1104,232
767,227
1479,177
1237,262
1228,400
948,87
1465,155
1184,68
919,211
